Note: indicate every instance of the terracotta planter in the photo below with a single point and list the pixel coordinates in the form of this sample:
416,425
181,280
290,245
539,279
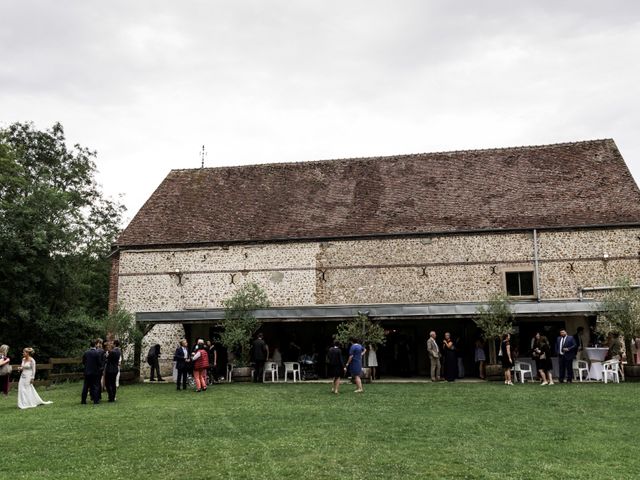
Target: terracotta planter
632,373
127,377
241,374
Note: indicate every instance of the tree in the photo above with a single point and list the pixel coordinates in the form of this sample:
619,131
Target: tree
621,306
56,229
495,320
361,327
119,324
240,324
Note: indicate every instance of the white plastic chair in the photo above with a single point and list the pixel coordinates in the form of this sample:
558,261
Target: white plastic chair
523,368
610,368
580,366
270,368
229,371
293,368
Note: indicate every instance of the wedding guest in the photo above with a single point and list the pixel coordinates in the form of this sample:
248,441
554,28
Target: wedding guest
153,359
213,361
480,358
5,370
434,356
372,361
116,346
27,395
103,355
92,361
567,348
200,359
354,363
336,364
182,359
259,354
507,359
277,358
542,355
450,358
111,370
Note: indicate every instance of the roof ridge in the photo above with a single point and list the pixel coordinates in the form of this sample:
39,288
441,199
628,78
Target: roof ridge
383,157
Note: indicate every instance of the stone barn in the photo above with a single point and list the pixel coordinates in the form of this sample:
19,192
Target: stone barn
417,242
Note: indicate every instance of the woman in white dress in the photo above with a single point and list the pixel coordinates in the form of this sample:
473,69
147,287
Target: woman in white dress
372,361
27,395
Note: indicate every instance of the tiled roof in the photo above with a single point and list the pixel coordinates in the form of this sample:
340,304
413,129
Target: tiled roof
561,185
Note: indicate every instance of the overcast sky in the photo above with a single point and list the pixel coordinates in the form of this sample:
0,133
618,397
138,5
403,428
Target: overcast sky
146,83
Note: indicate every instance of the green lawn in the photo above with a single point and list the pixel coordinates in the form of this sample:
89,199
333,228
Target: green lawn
303,432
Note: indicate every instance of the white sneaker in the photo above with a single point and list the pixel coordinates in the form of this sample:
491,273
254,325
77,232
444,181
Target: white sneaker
544,383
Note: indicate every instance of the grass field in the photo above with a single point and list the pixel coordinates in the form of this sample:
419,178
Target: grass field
301,431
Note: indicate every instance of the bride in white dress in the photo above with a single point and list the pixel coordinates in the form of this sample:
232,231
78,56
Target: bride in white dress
27,395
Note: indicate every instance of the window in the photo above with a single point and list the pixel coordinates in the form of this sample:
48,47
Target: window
519,284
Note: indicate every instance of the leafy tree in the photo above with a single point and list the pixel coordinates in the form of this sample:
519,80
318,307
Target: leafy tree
621,307
239,322
56,229
495,320
362,328
120,324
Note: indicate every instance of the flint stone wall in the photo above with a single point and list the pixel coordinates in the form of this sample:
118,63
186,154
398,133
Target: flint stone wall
432,269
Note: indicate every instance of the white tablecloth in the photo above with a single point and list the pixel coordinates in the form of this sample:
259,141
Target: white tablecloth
596,356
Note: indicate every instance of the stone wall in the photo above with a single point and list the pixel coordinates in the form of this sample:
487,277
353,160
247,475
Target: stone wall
434,269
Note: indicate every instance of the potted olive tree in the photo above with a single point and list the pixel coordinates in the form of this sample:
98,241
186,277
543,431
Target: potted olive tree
494,320
119,324
240,325
621,306
363,328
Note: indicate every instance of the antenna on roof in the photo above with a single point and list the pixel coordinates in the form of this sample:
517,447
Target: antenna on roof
203,154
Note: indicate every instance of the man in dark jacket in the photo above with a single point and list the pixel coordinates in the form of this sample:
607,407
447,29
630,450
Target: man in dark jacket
182,359
153,359
111,371
259,354
92,361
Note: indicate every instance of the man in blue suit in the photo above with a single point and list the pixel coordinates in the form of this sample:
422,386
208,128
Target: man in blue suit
567,349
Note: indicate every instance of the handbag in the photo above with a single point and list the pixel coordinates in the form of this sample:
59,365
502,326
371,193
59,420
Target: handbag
6,369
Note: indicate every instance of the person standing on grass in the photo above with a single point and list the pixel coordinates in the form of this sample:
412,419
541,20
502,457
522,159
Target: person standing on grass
450,358
182,359
541,353
27,395
153,359
434,356
567,348
372,361
92,361
213,361
111,371
507,358
200,361
354,363
116,346
336,364
480,358
5,370
259,354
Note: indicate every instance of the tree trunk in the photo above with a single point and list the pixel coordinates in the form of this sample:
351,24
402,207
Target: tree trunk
492,351
631,360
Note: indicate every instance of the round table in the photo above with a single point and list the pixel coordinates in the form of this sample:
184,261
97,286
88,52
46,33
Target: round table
596,356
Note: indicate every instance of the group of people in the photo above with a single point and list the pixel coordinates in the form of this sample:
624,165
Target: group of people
101,364
444,358
201,362
27,395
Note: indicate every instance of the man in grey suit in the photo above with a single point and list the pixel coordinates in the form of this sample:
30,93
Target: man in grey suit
434,356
